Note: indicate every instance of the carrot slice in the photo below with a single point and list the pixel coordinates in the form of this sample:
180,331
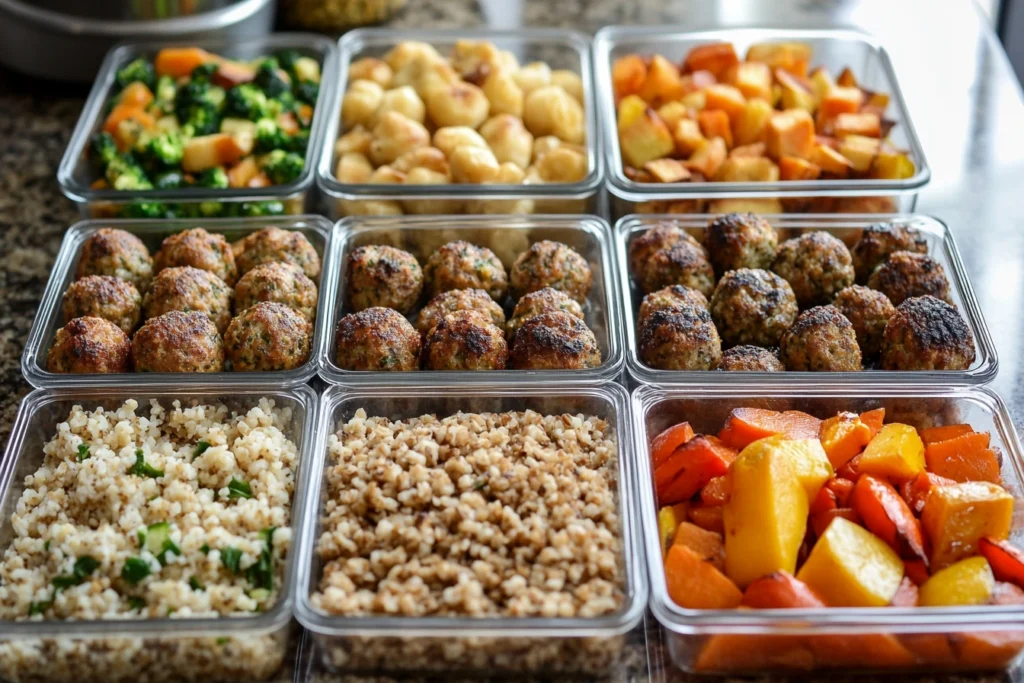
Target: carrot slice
668,441
915,492
707,544
843,490
848,472
695,584
747,425
178,62
708,517
944,433
874,419
824,501
821,521
916,571
780,590
906,594
886,515
843,437
689,468
1006,560
964,458
716,491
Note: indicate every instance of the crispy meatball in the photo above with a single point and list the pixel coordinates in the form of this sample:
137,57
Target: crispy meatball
199,249
661,236
87,346
752,307
821,340
927,334
190,289
683,264
178,342
268,336
816,265
116,253
383,276
104,296
749,358
868,311
681,338
271,245
461,265
880,240
465,340
284,283
740,240
542,301
377,339
905,274
458,300
669,297
554,341
551,264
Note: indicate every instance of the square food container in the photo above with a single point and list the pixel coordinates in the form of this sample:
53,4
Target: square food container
834,49
891,640
941,247
206,650
50,316
508,237
561,49
488,645
75,174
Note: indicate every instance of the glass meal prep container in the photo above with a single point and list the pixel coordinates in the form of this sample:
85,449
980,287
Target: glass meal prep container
791,640
259,646
833,49
76,174
847,228
559,48
486,645
50,316
507,237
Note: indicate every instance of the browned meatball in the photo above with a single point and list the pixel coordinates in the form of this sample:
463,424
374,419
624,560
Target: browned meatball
461,265
104,296
740,240
554,341
661,236
199,249
880,240
87,346
551,264
752,307
670,297
681,338
458,300
465,340
868,311
284,283
190,289
178,342
377,339
821,340
271,245
927,334
683,264
383,276
816,265
750,359
905,274
116,253
542,301
269,336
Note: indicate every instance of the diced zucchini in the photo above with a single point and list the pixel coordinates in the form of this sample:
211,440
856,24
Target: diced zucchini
156,536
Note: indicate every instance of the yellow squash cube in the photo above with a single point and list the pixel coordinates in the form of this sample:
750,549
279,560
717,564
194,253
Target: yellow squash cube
968,582
956,517
896,452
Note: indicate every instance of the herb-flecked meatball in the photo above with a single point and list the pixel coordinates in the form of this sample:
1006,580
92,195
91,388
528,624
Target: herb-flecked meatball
683,264
88,346
880,240
821,340
542,301
927,334
868,311
269,336
383,276
284,283
681,338
178,342
117,253
661,236
816,265
670,297
104,296
465,340
740,240
461,265
458,300
378,339
752,306
551,264
189,289
199,249
554,341
749,358
906,274
271,245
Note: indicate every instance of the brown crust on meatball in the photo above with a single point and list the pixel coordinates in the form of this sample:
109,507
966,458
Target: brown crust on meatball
740,240
752,306
670,297
379,275
104,296
189,289
821,340
748,358
817,265
662,236
199,249
89,345
273,244
683,264
868,311
542,301
465,340
554,341
681,338
461,265
878,241
178,342
116,253
906,274
551,264
284,283
267,337
454,300
378,339
927,334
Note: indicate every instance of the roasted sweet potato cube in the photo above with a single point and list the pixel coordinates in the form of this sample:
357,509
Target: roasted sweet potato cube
896,453
628,75
710,517
753,79
717,58
793,57
672,113
694,583
667,170
708,157
863,123
708,545
726,98
219,149
964,458
645,139
846,78
747,169
687,136
860,151
956,517
694,100
759,205
830,161
843,436
752,150
821,82
790,133
664,83
796,93
714,123
750,126
840,100
892,165
794,168
716,491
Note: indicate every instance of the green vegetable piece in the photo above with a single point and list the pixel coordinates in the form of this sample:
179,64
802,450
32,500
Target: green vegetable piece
124,173
201,448
195,584
146,210
259,594
215,177
137,70
142,469
261,574
136,603
222,640
204,72
246,101
46,546
205,549
164,94
156,536
83,451
239,489
102,149
283,167
166,149
135,570
307,92
83,568
230,558
197,105
169,180
269,80
40,607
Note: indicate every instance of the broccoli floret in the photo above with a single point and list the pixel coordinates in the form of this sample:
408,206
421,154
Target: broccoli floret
307,91
299,142
283,167
269,136
261,209
246,101
284,102
144,210
269,79
197,105
124,173
163,99
103,149
137,70
204,72
165,149
211,209
215,177
169,180
286,59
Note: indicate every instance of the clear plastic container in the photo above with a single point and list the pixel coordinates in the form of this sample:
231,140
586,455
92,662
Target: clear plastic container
561,49
941,247
852,639
254,647
491,645
75,173
50,316
507,237
834,49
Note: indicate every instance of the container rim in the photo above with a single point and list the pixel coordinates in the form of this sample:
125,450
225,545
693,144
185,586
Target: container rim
636,584
280,613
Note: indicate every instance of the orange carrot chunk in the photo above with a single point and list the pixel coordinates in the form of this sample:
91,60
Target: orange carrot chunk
136,93
714,57
707,544
916,571
689,468
780,590
708,517
747,425
1006,560
964,458
915,491
944,433
887,515
843,490
821,521
874,419
716,491
695,584
178,62
824,501
668,441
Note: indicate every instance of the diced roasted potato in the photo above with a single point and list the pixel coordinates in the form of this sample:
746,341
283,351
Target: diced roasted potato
645,139
830,161
821,83
753,79
846,78
892,165
219,149
745,169
860,151
628,75
664,83
864,123
725,98
957,516
687,136
667,170
708,158
793,57
716,58
840,100
755,149
790,133
752,124
896,453
796,93
672,113
631,108
794,168
759,205
714,123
